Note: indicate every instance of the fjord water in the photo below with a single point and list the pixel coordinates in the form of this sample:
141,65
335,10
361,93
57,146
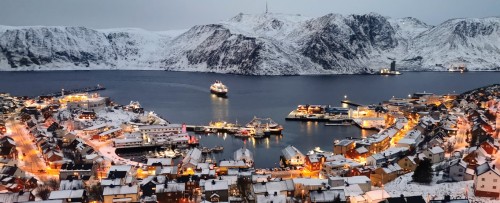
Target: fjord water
184,97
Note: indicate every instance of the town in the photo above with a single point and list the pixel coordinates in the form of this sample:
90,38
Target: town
428,148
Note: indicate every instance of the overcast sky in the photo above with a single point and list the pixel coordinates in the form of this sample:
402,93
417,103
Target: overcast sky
182,14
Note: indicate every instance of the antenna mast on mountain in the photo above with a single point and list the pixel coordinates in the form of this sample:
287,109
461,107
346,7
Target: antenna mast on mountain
266,7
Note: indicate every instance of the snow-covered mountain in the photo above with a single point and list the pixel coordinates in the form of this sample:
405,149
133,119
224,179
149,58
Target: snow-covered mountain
265,44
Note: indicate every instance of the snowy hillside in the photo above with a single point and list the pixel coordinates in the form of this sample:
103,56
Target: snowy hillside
265,44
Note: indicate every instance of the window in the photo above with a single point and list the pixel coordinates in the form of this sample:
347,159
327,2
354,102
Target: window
482,179
494,187
494,180
460,170
482,186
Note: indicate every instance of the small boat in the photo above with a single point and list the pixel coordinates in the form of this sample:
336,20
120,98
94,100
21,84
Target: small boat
218,148
218,89
259,133
206,150
199,129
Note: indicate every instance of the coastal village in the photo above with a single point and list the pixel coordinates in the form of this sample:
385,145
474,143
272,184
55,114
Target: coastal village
428,148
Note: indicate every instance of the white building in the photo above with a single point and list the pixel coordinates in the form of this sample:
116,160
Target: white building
487,181
293,156
435,154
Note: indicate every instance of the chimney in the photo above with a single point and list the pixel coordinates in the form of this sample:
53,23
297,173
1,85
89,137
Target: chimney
275,193
213,182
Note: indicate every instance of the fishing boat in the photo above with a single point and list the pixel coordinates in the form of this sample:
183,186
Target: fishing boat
218,149
243,133
218,89
266,124
206,150
259,133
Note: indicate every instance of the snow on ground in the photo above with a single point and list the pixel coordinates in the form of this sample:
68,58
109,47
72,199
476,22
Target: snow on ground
403,185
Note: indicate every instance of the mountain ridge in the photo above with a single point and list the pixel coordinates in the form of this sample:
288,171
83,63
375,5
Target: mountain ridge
264,44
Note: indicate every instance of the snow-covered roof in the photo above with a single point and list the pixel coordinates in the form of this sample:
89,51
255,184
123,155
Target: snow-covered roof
162,161
290,152
120,190
356,180
310,181
171,187
278,198
377,195
361,150
66,194
70,184
215,185
436,150
232,164
262,187
327,195
95,127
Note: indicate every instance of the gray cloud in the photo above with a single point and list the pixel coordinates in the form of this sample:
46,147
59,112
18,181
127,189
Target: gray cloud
181,14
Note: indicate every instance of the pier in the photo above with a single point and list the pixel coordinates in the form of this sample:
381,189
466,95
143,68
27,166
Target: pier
351,103
75,91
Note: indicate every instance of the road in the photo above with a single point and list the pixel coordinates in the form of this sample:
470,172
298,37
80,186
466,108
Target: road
28,153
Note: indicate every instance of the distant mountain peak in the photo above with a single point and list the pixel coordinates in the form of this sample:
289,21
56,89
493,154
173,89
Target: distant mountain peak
261,44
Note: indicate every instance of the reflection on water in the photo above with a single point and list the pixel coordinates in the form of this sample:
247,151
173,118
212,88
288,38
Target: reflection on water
219,107
192,103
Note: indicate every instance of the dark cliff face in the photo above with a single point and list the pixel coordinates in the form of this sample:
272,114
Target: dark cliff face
218,49
341,42
45,45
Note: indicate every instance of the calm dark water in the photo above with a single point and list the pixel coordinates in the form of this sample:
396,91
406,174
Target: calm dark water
183,97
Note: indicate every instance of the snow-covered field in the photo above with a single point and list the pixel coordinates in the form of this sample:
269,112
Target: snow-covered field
403,185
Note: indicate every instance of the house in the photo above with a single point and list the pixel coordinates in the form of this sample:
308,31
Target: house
487,181
71,184
170,192
391,154
385,174
69,195
125,173
12,171
191,160
121,193
148,185
314,162
217,191
329,195
364,183
293,156
264,185
77,170
408,163
8,148
458,171
343,146
374,196
435,154
489,147
271,198
16,197
225,166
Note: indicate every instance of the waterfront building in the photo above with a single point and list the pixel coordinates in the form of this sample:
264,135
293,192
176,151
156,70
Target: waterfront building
293,156
343,146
